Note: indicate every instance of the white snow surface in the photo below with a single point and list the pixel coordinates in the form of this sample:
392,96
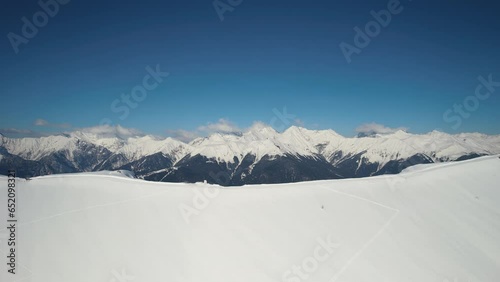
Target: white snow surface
433,223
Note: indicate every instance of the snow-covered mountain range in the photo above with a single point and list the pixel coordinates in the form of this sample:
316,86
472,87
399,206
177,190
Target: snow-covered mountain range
259,155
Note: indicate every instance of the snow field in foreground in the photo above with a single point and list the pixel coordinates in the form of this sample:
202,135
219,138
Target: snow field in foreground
431,223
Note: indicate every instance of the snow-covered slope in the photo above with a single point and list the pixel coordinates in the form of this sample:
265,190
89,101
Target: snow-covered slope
433,223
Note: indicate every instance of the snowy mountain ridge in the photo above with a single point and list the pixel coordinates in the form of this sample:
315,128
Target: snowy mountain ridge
336,155
262,141
304,142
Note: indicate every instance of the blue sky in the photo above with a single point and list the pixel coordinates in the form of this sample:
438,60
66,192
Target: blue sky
264,56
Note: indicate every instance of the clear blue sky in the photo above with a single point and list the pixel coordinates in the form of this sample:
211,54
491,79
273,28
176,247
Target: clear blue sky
264,55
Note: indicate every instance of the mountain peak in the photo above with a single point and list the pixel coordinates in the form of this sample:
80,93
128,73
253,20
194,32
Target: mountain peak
261,131
295,128
400,133
259,126
301,130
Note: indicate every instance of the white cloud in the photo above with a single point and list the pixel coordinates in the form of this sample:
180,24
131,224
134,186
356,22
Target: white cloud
183,135
43,122
376,128
299,122
258,125
106,131
221,126
101,131
19,133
